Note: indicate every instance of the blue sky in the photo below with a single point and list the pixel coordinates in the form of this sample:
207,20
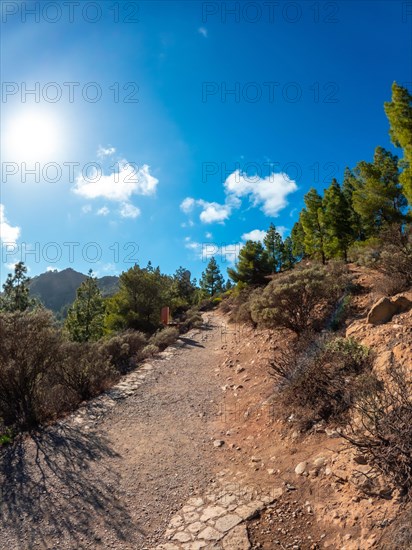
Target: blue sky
170,131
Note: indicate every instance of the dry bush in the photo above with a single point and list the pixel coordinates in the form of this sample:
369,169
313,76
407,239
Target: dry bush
381,426
317,377
30,350
165,337
150,350
395,260
300,300
125,349
85,370
192,320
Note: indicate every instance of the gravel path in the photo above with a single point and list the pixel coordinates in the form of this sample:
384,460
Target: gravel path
113,474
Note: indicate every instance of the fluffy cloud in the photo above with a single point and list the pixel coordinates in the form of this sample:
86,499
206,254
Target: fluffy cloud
118,186
212,212
187,205
8,233
127,210
269,193
259,234
254,235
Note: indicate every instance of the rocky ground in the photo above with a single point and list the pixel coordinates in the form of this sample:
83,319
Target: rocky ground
192,451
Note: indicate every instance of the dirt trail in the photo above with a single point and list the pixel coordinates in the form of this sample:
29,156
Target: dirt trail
113,474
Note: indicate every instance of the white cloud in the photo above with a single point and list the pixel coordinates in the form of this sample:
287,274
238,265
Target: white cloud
269,193
86,208
214,212
118,186
187,205
52,268
211,211
202,31
103,211
127,210
208,235
8,233
105,151
254,235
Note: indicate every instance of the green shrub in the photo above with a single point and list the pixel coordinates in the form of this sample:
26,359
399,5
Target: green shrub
300,300
164,337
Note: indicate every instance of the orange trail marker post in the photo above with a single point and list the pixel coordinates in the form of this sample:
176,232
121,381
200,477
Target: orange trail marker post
165,314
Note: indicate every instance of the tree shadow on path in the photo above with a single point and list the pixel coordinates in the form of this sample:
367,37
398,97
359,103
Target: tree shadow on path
59,483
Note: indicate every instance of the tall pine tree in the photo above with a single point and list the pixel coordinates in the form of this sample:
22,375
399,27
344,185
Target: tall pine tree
313,225
337,223
253,265
274,247
16,296
399,113
378,197
212,281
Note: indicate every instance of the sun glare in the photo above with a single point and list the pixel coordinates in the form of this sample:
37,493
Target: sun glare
33,136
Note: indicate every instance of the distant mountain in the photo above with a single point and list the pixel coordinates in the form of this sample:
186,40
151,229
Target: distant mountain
57,289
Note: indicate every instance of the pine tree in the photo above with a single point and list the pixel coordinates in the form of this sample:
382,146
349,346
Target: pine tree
212,281
274,247
337,223
253,265
399,113
85,319
16,294
298,240
348,187
288,258
312,223
378,197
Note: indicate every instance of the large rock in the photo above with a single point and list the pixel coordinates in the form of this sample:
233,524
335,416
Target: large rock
386,308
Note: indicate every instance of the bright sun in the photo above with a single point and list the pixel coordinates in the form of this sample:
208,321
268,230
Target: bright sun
33,136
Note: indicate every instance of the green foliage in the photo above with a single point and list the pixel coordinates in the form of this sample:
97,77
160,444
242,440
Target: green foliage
143,292
298,240
377,197
85,318
212,281
299,300
399,113
312,220
253,265
184,287
16,291
274,248
336,218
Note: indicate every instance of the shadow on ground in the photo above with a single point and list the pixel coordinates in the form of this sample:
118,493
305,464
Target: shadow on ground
51,491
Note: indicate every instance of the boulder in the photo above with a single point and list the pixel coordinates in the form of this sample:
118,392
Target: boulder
385,308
